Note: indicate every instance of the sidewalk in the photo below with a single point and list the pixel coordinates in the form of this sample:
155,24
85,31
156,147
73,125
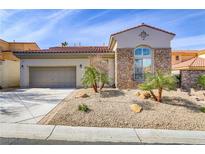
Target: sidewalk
49,134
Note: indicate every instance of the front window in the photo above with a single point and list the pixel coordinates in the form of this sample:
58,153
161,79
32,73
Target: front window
143,62
177,57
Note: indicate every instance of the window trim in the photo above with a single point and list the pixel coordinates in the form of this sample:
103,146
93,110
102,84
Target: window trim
143,57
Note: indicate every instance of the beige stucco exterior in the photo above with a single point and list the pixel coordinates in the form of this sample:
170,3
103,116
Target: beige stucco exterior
155,38
182,57
10,64
26,63
202,55
9,73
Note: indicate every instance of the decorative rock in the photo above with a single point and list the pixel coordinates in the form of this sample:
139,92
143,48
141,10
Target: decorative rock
82,95
144,95
147,95
136,108
138,93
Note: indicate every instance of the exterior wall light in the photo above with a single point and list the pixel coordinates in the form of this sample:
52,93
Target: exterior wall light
81,66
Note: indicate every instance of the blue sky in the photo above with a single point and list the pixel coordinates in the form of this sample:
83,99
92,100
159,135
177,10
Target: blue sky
93,27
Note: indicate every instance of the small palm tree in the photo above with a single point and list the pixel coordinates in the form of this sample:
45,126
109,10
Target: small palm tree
201,81
158,81
64,44
103,79
92,77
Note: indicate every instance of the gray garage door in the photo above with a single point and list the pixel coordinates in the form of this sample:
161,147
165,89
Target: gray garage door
52,77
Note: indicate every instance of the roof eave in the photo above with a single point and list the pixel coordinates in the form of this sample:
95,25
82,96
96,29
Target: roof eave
36,55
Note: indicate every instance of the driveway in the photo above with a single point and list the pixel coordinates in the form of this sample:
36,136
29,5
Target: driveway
29,105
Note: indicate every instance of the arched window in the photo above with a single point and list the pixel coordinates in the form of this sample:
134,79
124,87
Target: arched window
143,62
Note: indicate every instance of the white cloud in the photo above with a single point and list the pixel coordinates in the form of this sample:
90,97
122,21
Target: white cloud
24,30
189,42
186,16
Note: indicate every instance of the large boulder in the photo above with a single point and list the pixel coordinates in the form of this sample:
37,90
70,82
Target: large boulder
136,108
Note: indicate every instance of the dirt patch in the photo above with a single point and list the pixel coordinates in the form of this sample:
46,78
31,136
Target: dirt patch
111,108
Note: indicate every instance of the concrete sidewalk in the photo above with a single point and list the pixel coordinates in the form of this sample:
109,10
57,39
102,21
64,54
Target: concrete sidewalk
49,134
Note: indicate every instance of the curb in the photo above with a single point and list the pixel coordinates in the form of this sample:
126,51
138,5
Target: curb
103,135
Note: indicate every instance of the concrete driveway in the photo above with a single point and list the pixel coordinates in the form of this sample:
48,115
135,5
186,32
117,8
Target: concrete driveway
29,105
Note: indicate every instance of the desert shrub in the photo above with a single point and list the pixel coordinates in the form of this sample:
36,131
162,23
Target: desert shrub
201,81
83,107
202,109
178,79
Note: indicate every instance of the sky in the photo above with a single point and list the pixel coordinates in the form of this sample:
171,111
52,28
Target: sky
49,28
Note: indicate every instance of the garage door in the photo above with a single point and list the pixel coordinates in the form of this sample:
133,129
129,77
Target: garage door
52,77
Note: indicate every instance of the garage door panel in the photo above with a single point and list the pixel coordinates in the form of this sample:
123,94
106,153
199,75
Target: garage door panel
52,76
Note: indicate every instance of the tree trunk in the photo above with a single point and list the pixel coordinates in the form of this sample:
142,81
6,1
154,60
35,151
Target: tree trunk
153,95
95,87
102,86
160,95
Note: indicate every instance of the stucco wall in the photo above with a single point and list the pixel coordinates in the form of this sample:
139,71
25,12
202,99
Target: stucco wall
1,73
9,73
155,38
202,56
4,45
26,63
182,58
22,46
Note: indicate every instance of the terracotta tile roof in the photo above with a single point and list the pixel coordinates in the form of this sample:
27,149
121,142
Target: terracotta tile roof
195,62
145,26
185,51
78,49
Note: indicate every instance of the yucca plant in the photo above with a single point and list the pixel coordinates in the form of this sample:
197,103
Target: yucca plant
159,81
201,81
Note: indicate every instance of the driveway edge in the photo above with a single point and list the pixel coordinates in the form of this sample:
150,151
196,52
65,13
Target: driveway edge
45,120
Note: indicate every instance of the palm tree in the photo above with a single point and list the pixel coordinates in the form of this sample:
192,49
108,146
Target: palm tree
64,44
92,77
159,81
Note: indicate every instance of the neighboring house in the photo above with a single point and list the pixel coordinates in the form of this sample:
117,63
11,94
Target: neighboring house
130,54
179,56
10,64
190,70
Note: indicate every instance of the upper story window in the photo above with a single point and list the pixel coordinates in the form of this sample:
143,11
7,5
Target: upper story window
177,57
143,62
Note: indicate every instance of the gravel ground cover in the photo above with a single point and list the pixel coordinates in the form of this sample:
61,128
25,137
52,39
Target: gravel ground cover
178,111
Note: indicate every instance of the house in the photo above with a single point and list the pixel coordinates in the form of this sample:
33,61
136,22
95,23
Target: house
190,70
179,56
130,54
10,64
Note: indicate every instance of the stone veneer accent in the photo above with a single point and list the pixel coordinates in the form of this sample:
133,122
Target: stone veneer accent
125,65
162,60
189,78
